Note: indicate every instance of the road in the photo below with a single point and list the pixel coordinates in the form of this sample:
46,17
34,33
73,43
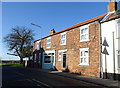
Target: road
32,78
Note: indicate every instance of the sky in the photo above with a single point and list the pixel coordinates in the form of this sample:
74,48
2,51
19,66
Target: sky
49,15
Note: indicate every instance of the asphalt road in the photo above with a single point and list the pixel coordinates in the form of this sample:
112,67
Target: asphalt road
32,78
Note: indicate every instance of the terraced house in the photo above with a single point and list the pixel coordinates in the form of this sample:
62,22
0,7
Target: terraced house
77,49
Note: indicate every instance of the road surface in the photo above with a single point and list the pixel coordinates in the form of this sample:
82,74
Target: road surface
32,78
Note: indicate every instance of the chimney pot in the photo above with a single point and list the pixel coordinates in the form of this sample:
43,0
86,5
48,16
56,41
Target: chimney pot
112,5
52,32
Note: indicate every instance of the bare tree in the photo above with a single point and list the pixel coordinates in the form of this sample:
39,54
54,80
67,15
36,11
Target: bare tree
18,39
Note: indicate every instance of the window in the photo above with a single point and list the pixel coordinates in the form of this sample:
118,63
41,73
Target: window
39,57
38,45
60,54
84,35
47,59
35,58
84,56
48,42
118,58
63,39
118,29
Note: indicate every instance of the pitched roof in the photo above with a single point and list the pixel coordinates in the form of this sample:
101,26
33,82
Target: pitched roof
112,16
76,25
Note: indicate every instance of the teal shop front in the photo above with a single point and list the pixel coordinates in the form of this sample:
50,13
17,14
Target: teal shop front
48,60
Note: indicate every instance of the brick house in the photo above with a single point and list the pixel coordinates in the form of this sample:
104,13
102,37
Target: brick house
76,49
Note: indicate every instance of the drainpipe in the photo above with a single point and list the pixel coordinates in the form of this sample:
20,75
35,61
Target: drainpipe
113,57
100,49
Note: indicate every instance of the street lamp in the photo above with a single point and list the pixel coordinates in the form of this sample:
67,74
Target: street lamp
41,37
37,26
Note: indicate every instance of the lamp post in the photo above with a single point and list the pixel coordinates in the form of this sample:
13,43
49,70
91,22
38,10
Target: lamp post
39,44
37,26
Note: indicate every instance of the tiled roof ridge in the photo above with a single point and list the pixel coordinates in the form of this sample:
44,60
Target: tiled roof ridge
76,25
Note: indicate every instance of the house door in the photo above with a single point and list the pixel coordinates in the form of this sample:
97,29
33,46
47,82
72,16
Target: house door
64,60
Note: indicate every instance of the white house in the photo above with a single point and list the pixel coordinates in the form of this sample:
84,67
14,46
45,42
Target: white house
110,43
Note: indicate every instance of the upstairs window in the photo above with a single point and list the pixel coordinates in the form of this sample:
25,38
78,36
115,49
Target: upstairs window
38,45
118,59
48,42
84,56
84,33
118,29
63,39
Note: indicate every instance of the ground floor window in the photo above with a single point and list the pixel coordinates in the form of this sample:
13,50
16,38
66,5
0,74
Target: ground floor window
48,57
84,56
118,58
35,58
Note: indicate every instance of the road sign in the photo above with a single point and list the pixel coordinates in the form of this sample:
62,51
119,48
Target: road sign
105,51
105,42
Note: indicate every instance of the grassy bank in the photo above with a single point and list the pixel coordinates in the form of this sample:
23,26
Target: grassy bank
11,64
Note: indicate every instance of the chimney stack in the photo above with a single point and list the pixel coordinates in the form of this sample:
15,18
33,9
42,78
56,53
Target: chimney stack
112,5
52,32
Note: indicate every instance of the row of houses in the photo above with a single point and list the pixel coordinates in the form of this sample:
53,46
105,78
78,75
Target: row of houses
90,48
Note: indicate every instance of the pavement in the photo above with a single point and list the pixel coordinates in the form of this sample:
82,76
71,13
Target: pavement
98,81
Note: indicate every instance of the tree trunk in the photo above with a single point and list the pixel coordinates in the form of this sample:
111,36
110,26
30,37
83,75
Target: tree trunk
29,58
21,60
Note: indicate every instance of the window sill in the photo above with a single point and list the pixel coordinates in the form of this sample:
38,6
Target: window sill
46,63
118,68
62,44
47,47
84,40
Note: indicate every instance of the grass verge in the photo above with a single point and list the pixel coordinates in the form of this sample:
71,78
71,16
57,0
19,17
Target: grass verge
11,64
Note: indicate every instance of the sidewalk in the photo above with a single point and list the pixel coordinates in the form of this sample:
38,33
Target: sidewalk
98,81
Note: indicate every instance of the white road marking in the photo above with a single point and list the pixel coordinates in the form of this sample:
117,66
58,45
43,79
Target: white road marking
41,83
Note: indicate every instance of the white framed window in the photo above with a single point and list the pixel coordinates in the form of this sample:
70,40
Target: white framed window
84,56
63,38
60,54
48,58
84,33
38,45
39,58
48,42
118,29
35,58
118,54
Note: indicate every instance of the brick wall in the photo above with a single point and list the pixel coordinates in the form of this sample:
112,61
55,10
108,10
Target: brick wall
73,46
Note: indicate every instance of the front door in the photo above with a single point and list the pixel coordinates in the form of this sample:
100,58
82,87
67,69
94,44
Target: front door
64,60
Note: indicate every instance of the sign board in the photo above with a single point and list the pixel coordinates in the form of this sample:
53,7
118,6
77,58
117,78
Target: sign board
105,51
105,43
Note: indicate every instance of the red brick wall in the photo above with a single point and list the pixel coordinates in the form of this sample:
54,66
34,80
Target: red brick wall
73,46
112,6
